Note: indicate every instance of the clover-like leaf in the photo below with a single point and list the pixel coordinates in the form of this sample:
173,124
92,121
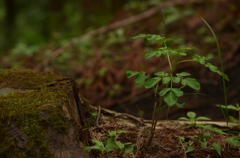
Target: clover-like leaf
140,78
150,54
170,98
131,73
164,91
190,149
177,92
180,105
151,82
183,74
176,79
191,82
191,115
129,149
165,80
161,73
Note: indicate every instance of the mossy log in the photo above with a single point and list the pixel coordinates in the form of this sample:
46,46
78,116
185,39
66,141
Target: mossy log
41,116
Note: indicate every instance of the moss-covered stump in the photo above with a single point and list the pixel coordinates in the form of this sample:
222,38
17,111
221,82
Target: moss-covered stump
41,116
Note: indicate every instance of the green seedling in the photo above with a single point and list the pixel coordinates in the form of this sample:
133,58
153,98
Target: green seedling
202,138
232,107
186,144
234,141
174,82
210,128
112,144
192,118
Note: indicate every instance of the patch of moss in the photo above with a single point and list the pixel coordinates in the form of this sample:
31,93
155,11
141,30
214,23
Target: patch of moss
33,110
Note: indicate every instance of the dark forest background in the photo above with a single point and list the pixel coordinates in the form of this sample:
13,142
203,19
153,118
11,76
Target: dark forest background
90,41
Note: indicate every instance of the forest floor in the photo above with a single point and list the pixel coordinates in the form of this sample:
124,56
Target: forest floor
166,143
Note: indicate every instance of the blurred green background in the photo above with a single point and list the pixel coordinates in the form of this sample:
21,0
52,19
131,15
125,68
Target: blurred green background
53,35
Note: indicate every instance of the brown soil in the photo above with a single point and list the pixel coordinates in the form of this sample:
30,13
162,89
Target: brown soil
165,143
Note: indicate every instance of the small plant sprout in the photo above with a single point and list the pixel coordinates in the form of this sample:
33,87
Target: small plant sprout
112,144
232,107
192,118
174,82
186,144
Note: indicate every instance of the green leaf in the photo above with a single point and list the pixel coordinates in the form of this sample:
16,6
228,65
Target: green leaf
212,67
149,37
180,105
204,144
223,75
164,91
200,59
217,147
110,144
177,92
176,79
112,133
129,149
191,82
140,78
161,73
98,146
131,73
163,50
150,54
119,144
191,115
189,149
230,107
154,37
231,118
173,52
151,82
211,128
183,74
121,131
139,36
202,118
233,140
165,80
170,98
183,118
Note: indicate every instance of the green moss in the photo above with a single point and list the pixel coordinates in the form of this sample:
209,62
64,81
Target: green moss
33,110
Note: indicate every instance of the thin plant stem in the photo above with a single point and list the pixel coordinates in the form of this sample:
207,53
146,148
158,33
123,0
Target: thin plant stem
222,69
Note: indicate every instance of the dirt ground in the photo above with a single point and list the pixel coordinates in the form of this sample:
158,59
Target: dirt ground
165,143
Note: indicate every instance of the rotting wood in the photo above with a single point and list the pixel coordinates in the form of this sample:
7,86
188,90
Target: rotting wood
41,115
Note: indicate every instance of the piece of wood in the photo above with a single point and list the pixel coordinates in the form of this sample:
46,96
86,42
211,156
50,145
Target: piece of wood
41,116
132,121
